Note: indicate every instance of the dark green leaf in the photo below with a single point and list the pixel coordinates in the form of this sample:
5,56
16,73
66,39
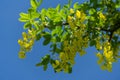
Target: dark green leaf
46,60
38,36
38,64
27,25
70,70
47,39
45,67
58,39
92,43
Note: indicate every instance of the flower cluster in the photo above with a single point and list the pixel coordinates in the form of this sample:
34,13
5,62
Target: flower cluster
106,59
102,16
76,19
102,19
26,43
78,39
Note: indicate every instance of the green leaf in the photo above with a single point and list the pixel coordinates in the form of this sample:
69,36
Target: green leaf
70,69
38,64
45,60
58,7
34,3
92,11
45,67
23,20
39,3
43,14
92,42
76,5
47,37
57,31
30,11
64,36
36,24
27,25
117,6
69,3
38,36
63,14
47,41
94,2
33,14
24,17
58,39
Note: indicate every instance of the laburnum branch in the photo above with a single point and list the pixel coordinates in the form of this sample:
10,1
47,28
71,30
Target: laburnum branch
111,31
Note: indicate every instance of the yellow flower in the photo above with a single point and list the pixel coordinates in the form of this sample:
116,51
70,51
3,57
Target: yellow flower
30,32
78,14
62,55
108,54
71,11
24,36
100,61
72,61
69,19
109,67
31,42
99,55
108,47
57,63
20,42
102,16
71,22
21,55
27,46
65,43
98,45
103,67
83,16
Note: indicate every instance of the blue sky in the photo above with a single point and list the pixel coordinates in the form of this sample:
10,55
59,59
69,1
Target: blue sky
13,68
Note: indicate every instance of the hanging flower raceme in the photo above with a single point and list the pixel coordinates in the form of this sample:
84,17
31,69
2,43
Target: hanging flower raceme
26,43
106,59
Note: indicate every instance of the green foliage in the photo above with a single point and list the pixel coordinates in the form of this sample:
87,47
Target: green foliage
35,4
44,62
47,40
70,30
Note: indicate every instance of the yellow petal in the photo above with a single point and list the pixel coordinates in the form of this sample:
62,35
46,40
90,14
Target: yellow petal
21,55
20,42
78,14
71,11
